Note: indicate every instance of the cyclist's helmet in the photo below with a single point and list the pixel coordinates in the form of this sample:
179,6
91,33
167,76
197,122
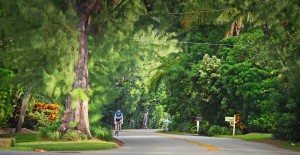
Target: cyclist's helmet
118,110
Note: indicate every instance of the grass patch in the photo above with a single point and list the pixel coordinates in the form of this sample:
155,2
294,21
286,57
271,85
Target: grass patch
64,146
21,137
248,137
265,138
30,142
290,146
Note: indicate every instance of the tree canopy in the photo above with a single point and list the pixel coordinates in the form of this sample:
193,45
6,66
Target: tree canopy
178,59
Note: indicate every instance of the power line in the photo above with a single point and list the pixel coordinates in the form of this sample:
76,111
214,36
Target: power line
196,12
198,43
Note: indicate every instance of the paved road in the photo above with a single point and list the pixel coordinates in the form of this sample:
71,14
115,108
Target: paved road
147,142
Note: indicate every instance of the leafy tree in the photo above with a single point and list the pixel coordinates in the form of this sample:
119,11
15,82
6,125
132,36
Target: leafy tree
280,23
39,63
129,44
205,75
248,83
6,108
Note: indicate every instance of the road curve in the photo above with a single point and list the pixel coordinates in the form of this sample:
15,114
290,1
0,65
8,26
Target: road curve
149,142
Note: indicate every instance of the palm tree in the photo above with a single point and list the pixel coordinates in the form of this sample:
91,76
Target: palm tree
219,13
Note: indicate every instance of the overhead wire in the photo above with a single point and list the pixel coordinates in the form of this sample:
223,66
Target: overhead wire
199,43
195,12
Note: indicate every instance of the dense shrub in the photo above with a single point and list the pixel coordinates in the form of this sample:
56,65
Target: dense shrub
287,128
42,115
203,128
218,130
38,119
185,127
72,135
53,135
44,131
6,95
101,133
50,133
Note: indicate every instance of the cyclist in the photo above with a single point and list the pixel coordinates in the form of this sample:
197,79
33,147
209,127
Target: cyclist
118,118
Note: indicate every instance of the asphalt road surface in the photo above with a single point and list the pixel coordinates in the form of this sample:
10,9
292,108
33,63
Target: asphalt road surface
148,142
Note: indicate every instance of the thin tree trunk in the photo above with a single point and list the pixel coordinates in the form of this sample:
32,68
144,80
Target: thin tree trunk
24,106
145,120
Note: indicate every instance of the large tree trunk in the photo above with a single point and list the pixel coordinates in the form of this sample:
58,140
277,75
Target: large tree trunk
79,113
24,106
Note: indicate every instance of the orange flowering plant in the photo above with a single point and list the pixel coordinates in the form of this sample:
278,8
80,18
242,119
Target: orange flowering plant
51,110
44,114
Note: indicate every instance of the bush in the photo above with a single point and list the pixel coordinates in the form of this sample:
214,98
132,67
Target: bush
101,133
84,137
71,135
185,127
287,128
40,119
238,131
54,135
218,130
194,129
203,128
44,132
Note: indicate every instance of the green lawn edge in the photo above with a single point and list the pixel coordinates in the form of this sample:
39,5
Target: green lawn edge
31,142
255,137
264,138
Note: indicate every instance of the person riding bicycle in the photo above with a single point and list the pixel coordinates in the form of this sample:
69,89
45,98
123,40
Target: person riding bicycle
118,118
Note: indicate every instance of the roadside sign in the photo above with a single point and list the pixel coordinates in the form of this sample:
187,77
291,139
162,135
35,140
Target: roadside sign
229,119
232,122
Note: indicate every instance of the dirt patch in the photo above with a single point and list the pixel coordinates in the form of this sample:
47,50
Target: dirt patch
13,130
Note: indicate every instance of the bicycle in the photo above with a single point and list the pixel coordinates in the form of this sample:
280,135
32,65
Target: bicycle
118,129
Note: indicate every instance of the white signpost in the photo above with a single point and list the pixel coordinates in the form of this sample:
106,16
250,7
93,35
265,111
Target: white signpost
198,119
232,122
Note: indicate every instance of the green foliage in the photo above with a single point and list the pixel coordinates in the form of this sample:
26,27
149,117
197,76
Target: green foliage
250,136
286,127
248,83
156,117
203,128
65,146
84,137
78,95
135,63
101,133
71,135
73,124
6,94
264,123
40,118
46,59
20,138
53,136
185,127
218,130
48,132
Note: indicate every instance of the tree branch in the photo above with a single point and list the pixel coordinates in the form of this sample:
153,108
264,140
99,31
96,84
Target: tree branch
112,11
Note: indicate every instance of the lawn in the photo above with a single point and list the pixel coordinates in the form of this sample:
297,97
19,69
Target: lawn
265,138
30,142
258,137
249,137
